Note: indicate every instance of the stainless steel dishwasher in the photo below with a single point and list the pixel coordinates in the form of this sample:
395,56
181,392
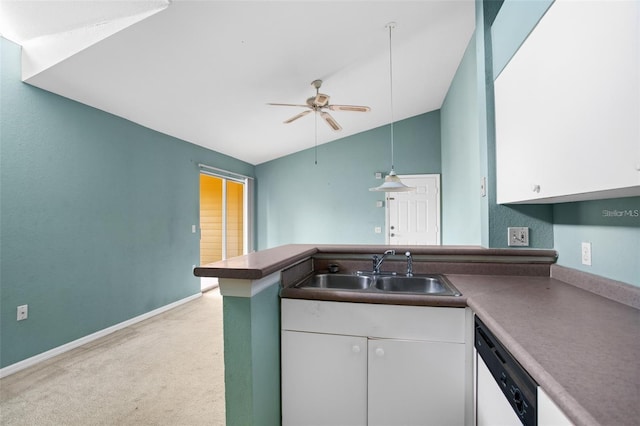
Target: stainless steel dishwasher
505,393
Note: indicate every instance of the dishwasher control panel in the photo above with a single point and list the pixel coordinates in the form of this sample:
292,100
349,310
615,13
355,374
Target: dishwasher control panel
516,384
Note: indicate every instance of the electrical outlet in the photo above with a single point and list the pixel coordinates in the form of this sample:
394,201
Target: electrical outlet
518,236
586,254
23,312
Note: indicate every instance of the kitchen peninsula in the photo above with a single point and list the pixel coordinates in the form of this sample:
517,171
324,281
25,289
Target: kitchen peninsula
575,333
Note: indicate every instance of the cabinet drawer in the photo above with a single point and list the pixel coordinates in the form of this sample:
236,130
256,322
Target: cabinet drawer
369,320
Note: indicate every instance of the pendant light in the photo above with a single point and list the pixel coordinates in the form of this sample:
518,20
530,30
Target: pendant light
392,182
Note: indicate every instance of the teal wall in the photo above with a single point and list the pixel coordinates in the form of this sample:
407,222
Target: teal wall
330,202
96,216
613,229
461,156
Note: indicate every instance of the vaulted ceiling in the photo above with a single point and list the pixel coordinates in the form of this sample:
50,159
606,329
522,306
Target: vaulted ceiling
204,71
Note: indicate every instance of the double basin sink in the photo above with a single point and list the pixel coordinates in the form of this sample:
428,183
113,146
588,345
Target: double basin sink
433,285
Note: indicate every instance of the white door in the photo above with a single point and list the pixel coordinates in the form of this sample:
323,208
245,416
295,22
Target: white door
413,218
324,379
416,383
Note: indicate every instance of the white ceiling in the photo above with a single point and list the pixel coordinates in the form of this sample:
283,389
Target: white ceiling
203,71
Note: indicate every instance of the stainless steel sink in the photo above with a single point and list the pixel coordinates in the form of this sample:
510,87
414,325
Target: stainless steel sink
434,285
338,281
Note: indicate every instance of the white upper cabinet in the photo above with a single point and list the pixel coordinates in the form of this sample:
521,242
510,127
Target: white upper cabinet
568,106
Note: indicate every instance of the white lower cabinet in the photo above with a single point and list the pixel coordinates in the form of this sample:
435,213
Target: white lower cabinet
396,369
324,379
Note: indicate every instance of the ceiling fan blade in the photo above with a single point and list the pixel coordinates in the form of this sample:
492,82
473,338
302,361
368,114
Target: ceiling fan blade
293,105
295,117
330,121
354,108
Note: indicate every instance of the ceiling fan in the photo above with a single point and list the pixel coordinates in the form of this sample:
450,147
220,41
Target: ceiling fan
319,103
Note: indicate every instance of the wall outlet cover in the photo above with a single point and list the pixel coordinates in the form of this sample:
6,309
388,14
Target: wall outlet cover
518,236
23,312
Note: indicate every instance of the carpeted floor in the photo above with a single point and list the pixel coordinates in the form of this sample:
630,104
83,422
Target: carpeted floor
167,370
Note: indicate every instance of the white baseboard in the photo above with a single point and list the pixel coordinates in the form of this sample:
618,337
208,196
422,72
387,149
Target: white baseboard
21,365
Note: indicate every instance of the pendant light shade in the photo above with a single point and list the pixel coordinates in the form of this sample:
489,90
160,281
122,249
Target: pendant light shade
392,182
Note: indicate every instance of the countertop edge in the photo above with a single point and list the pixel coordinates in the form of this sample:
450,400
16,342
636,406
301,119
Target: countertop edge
259,264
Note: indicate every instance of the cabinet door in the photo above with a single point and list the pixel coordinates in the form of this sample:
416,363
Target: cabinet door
567,106
324,379
416,383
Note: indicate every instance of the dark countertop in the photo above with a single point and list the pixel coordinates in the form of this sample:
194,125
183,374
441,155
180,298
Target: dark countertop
582,348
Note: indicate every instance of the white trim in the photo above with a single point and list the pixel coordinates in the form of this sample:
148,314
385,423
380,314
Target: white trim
224,216
223,173
248,216
29,362
246,288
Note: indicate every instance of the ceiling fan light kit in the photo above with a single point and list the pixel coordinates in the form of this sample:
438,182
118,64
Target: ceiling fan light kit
392,182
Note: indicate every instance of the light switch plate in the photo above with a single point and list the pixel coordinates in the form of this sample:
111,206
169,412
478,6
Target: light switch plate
518,236
586,254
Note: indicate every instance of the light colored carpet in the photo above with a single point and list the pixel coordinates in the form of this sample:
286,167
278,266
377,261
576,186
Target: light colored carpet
167,370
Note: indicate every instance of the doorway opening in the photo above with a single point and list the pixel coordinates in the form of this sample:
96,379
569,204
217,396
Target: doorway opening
413,218
225,227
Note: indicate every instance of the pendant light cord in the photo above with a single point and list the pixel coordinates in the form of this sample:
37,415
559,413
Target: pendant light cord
391,25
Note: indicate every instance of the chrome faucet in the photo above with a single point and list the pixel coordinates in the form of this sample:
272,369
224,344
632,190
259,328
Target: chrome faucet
377,261
409,264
